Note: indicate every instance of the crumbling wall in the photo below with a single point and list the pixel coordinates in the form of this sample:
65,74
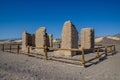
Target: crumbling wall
27,40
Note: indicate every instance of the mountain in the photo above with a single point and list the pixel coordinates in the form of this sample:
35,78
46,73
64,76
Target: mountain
14,40
117,35
115,39
11,39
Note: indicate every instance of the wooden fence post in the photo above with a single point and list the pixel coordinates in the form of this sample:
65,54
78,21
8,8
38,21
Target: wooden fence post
106,51
98,55
28,50
10,48
3,47
114,49
83,58
45,50
111,50
18,47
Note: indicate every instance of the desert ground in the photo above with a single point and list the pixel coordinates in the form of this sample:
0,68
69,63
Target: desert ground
23,67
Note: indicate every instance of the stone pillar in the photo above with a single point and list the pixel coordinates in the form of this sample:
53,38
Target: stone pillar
69,38
33,39
47,40
50,37
24,40
40,38
87,38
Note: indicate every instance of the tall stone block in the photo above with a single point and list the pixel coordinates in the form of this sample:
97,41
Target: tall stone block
87,38
47,41
40,38
69,38
27,40
33,39
50,40
24,41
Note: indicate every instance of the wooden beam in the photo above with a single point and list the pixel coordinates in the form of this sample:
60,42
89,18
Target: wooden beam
3,47
91,59
10,48
28,50
114,49
106,51
83,58
18,47
98,55
45,51
66,61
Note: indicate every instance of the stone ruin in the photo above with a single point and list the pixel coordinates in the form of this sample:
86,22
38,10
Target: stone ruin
27,40
69,39
49,40
40,39
87,38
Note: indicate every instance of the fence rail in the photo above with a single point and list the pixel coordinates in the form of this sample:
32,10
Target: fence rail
97,50
10,48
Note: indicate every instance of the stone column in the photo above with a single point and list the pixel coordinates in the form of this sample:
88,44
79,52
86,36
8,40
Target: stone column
40,38
24,40
69,38
33,39
87,38
50,37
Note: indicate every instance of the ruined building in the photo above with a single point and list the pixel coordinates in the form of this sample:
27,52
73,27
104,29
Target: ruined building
69,39
27,40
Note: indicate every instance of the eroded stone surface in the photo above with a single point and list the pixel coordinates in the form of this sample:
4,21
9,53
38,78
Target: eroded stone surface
27,40
87,38
50,40
40,38
69,38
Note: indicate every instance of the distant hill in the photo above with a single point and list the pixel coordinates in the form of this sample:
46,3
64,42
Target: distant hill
117,35
11,39
115,39
15,40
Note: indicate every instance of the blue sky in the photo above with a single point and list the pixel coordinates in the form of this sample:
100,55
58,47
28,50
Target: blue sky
19,15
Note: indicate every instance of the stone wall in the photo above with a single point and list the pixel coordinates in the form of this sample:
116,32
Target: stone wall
87,38
27,40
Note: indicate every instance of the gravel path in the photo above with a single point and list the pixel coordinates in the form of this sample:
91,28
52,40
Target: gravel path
22,67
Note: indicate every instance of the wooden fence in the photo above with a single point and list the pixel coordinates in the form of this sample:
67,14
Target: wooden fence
106,50
11,47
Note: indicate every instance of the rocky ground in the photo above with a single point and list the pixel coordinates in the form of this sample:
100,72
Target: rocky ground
23,67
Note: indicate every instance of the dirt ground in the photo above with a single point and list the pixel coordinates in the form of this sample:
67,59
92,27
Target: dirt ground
23,67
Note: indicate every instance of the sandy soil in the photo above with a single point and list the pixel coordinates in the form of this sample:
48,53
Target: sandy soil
22,67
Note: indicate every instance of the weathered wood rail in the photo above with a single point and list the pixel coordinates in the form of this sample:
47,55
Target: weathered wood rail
106,50
10,47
